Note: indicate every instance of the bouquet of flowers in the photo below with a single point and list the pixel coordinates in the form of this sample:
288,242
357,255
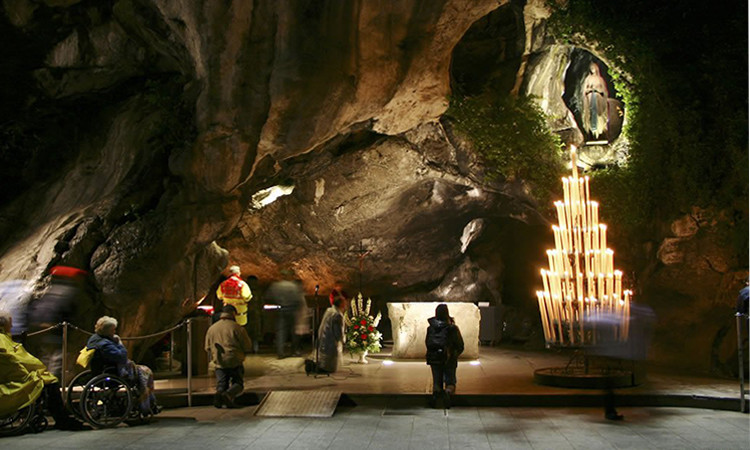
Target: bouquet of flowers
362,334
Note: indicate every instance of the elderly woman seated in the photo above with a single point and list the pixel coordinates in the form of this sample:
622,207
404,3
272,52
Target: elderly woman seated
111,353
24,378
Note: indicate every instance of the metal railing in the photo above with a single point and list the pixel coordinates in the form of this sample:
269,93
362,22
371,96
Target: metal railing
742,319
188,324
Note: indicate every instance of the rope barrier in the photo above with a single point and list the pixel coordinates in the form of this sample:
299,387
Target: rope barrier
58,325
179,325
158,333
80,329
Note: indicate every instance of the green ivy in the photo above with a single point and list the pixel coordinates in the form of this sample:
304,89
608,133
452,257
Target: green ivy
512,135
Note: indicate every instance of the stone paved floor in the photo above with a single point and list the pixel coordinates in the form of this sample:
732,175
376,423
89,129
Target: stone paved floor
379,425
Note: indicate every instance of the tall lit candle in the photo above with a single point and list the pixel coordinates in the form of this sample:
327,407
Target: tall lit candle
556,232
595,214
543,313
618,284
560,214
551,261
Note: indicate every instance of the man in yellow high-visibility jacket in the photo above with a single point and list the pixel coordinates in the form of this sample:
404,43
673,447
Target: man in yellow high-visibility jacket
233,291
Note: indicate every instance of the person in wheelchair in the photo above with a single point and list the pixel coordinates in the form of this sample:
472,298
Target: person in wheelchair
110,354
24,379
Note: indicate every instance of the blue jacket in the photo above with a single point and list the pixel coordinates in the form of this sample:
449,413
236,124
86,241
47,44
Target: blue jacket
108,353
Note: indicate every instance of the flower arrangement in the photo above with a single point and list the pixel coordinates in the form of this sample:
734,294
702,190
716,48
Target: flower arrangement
362,334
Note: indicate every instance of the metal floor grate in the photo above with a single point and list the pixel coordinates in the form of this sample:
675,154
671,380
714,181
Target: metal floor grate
298,404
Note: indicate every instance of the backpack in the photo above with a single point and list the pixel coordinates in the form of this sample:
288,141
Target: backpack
437,341
232,288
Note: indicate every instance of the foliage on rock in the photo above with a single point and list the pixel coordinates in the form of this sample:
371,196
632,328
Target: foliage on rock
512,136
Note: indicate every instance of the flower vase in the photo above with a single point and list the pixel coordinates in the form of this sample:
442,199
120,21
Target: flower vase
363,358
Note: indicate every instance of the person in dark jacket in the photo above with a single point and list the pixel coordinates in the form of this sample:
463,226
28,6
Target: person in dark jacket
444,345
111,353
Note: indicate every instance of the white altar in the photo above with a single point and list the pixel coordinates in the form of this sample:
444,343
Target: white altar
409,326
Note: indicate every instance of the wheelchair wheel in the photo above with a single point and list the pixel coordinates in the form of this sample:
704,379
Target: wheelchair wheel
38,423
17,422
74,392
106,401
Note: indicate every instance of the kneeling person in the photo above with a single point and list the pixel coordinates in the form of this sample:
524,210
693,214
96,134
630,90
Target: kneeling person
226,344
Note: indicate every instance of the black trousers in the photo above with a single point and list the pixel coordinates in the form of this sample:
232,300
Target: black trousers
442,375
230,380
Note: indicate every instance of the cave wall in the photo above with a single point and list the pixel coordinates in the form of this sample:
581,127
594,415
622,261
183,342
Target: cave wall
194,105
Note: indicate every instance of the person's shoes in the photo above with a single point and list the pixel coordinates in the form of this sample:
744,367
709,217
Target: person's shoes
218,400
613,415
156,409
449,390
309,366
229,401
434,399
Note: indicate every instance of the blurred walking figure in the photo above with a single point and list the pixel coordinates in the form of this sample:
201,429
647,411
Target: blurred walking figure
255,313
15,296
226,344
290,298
444,345
234,291
58,304
635,348
330,338
743,301
302,318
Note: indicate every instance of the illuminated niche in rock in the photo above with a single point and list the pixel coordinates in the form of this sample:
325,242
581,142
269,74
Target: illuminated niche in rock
267,196
591,97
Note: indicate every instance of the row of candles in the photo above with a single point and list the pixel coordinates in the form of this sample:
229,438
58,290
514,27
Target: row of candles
581,284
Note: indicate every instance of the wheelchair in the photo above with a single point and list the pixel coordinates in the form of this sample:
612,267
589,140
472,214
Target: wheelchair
105,400
31,418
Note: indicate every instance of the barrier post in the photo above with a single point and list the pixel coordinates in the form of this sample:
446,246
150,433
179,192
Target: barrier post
190,361
171,350
63,384
740,353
